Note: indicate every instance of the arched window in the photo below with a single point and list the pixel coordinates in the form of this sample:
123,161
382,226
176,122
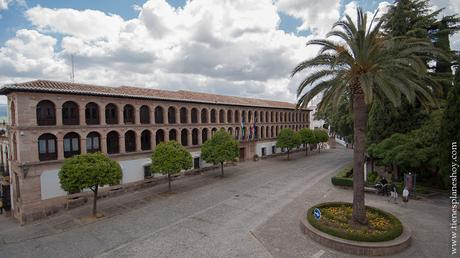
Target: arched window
272,115
195,136
267,132
204,116
159,115
213,131
237,116
267,117
249,117
229,116
93,142
262,131
243,116
172,135
213,116
171,115
272,132
144,114
47,149
262,116
92,113
256,116
183,115
237,133
70,113
276,117
221,116
46,113
159,136
113,145
130,141
204,135
111,114
184,137
146,140
230,131
194,114
128,114
71,144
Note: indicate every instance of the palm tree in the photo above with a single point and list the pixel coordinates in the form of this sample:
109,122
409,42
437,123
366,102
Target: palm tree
357,60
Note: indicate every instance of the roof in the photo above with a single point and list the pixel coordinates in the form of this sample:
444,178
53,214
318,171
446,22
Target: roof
137,92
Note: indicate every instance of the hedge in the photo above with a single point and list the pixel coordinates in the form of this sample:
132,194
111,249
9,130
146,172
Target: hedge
342,181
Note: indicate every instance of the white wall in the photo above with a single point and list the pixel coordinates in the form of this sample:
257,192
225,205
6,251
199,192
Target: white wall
50,186
267,146
133,170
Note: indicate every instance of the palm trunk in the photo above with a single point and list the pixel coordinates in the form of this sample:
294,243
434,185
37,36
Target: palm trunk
95,201
169,182
359,127
222,169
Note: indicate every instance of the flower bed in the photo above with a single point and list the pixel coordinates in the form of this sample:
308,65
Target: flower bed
335,219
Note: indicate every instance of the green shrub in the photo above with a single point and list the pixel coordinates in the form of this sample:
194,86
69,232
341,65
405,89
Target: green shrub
341,181
325,224
372,177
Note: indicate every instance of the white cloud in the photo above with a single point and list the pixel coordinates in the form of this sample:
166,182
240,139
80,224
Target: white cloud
3,4
317,16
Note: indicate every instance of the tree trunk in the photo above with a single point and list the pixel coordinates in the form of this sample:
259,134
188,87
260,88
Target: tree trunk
319,147
359,127
306,149
222,169
169,182
395,172
95,201
288,153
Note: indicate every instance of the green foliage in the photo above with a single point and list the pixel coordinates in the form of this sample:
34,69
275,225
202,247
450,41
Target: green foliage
170,158
414,150
450,129
339,118
341,181
220,148
372,177
383,226
306,136
88,171
288,139
320,135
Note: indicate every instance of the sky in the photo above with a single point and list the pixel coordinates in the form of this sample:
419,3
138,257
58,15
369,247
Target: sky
233,47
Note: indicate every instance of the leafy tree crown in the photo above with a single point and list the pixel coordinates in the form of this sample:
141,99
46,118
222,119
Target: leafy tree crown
288,139
170,158
89,170
220,148
307,136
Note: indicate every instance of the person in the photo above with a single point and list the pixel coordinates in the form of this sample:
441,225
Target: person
393,193
383,181
405,195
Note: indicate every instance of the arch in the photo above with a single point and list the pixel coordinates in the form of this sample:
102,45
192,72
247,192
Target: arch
256,116
230,130
267,116
272,117
272,132
249,116
171,115
71,144
267,132
172,135
130,141
113,142
243,116
213,116
128,114
237,116
262,116
213,131
195,136
93,142
204,135
184,137
46,113
144,114
204,116
111,114
159,136
183,115
47,147
146,140
221,116
70,113
229,116
194,115
159,119
92,113
262,132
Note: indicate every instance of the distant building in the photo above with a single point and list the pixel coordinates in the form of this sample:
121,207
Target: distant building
50,121
312,105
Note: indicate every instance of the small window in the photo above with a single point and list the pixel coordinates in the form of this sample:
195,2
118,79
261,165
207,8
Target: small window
70,114
47,147
46,113
128,114
196,163
273,149
147,172
145,115
71,145
264,152
93,141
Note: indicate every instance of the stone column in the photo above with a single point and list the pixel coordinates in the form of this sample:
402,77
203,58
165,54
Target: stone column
137,115
58,115
83,145
82,116
165,116
102,115
153,140
120,114
60,147
138,141
189,115
152,116
189,138
103,144
121,143
198,118
200,138
177,116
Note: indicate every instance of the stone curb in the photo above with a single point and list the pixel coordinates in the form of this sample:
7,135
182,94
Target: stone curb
356,247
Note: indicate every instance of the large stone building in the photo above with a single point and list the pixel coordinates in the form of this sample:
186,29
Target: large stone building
50,121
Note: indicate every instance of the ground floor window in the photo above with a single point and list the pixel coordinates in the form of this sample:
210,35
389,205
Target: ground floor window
196,163
264,152
147,172
273,149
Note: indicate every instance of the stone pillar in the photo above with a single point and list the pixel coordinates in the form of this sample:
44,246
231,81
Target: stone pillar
165,116
60,147
58,116
138,141
209,134
189,138
153,140
152,116
83,145
177,116
82,116
198,118
122,143
200,138
103,144
137,117
120,115
102,115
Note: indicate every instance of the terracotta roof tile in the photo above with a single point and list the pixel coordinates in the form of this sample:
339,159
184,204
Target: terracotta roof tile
136,92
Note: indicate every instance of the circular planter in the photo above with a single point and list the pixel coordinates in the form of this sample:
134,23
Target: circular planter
390,247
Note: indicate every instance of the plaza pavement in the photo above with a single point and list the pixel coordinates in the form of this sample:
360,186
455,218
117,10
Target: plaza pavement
252,212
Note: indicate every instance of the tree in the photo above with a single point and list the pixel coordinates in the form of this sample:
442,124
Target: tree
170,158
367,65
219,149
288,139
450,129
320,136
306,137
89,171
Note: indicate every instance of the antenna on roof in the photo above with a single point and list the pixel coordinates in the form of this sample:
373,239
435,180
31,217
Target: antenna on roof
72,73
